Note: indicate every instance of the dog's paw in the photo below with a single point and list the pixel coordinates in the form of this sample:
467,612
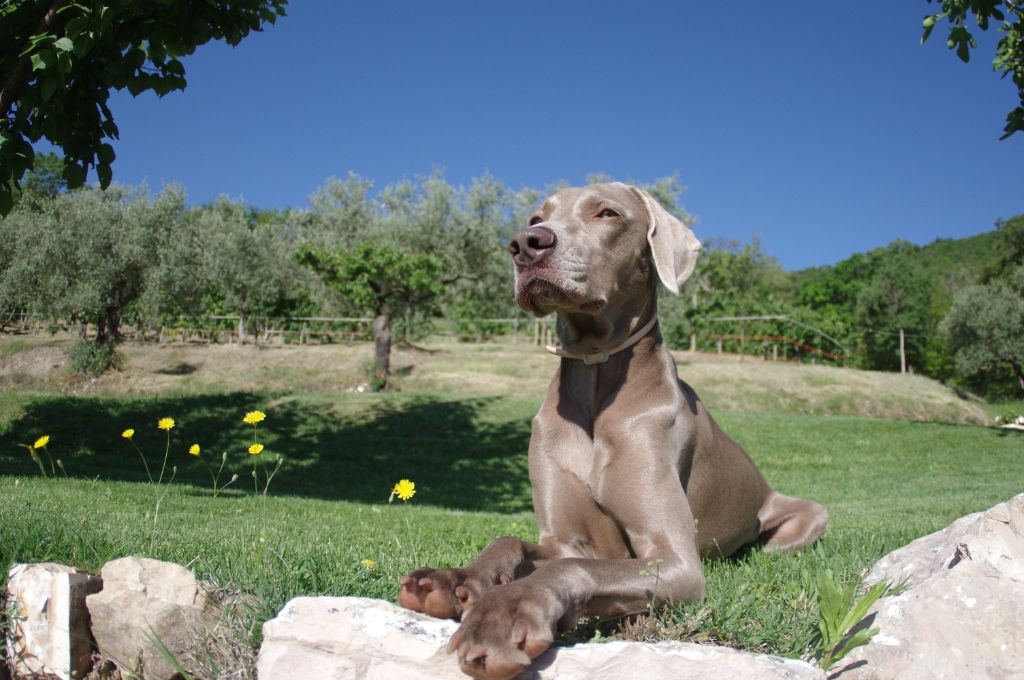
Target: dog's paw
507,628
442,593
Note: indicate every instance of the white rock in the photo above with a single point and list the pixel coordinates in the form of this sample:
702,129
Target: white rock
351,638
49,631
140,596
963,615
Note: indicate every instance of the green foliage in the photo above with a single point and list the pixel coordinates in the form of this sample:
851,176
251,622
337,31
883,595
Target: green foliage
1009,59
378,279
897,297
86,257
1011,247
985,328
89,359
839,612
245,264
61,59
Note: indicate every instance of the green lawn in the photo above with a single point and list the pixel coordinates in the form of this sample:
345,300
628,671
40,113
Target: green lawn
883,481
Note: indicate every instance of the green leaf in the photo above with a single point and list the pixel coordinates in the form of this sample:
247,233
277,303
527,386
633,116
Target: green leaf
861,637
6,198
74,174
861,606
963,51
106,154
64,44
48,87
105,175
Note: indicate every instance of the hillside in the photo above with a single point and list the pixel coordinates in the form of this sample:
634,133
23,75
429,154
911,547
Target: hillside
724,382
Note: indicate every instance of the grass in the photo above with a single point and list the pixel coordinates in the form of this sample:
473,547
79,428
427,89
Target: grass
884,481
726,382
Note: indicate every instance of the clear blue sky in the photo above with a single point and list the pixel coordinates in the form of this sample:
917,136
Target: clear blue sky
823,127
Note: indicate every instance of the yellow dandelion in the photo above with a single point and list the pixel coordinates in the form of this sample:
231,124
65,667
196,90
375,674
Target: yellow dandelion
253,417
41,442
165,423
255,449
128,434
404,490
369,564
194,450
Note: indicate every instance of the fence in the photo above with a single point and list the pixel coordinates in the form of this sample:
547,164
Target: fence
307,330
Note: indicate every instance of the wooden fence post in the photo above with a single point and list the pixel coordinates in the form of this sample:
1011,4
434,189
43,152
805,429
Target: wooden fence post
903,353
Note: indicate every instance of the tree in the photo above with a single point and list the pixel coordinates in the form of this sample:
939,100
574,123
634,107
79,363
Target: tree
985,328
60,59
383,281
247,265
1009,51
896,298
87,256
1011,245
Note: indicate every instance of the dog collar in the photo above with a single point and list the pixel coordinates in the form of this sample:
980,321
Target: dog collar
601,356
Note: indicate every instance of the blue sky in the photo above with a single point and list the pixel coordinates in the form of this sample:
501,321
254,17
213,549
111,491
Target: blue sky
824,128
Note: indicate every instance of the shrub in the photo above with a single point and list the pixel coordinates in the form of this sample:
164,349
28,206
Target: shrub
92,359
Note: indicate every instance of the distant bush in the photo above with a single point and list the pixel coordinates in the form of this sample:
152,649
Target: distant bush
91,359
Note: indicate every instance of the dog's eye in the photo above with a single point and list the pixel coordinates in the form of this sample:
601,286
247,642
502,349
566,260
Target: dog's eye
608,212
536,219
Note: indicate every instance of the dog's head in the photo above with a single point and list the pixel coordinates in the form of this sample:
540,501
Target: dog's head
590,246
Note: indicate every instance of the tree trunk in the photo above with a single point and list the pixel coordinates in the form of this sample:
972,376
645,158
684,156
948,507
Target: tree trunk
114,326
101,330
1019,373
241,329
381,351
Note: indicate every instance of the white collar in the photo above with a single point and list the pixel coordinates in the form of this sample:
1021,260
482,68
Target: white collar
601,356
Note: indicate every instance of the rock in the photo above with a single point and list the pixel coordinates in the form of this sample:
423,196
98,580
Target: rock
962,616
49,631
351,638
143,597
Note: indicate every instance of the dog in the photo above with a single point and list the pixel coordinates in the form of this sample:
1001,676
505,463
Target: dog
627,468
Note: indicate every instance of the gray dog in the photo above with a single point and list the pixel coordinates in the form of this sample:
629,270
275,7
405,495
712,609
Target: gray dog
627,466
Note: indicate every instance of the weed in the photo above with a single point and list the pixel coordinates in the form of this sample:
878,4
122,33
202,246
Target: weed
840,613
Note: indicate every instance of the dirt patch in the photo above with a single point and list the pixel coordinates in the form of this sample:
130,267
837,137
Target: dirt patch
33,367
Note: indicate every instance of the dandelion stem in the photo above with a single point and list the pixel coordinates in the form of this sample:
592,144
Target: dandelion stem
167,450
53,470
156,510
38,461
144,463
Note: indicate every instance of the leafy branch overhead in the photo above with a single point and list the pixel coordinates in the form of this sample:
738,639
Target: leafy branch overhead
1009,59
60,59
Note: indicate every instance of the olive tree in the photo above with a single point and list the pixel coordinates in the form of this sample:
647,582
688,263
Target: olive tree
985,328
87,256
383,281
246,264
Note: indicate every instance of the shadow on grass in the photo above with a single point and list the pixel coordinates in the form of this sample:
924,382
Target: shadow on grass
352,447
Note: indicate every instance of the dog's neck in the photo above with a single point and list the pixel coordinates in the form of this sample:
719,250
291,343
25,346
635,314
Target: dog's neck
582,333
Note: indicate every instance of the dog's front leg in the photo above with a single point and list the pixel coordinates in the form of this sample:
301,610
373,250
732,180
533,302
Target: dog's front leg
514,623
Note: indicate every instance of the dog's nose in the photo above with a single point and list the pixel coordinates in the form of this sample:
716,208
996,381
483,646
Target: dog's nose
531,245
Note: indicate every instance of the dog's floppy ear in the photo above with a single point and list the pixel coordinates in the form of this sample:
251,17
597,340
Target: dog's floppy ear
673,246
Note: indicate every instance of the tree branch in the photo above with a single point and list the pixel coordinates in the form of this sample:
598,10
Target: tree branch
19,74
